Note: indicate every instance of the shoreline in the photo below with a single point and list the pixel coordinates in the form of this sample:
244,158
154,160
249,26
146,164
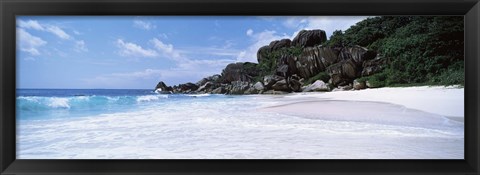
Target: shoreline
445,101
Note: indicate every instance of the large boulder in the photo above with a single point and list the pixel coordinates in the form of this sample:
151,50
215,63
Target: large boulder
343,72
294,84
281,85
278,44
265,51
314,60
207,87
238,87
307,38
219,90
213,78
357,54
262,53
185,88
162,87
286,65
308,64
374,66
270,80
357,85
318,85
239,72
258,86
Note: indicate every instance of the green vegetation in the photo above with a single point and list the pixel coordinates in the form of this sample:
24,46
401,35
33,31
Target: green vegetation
376,80
320,76
420,49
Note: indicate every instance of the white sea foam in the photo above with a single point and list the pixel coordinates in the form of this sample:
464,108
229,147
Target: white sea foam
57,102
86,98
148,98
198,95
235,128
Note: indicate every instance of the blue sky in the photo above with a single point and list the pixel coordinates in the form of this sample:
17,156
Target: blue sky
120,52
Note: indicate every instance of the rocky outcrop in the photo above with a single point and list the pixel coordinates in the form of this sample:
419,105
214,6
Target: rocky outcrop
308,38
342,73
344,64
238,87
281,86
265,51
239,72
278,44
284,66
270,80
262,53
163,88
185,88
374,66
357,54
294,84
207,87
357,85
219,90
258,86
213,79
318,85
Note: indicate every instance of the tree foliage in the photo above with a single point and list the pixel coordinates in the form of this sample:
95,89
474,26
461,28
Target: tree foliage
421,49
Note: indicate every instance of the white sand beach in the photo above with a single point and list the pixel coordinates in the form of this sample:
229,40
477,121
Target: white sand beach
445,101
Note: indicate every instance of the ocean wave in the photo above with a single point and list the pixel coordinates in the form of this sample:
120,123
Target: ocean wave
57,102
39,103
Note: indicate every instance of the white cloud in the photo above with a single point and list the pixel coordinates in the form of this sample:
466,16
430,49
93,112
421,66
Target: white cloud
29,43
249,32
31,46
259,40
33,24
80,46
184,70
30,24
165,49
58,32
327,23
143,24
132,49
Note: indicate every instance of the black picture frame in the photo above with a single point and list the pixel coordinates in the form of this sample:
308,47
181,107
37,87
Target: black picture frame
470,9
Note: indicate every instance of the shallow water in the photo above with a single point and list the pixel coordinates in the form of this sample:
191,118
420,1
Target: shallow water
144,125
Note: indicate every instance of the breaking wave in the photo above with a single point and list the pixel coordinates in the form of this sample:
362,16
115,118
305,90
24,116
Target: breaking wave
36,103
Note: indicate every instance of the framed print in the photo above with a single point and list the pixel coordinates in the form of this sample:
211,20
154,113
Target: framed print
185,87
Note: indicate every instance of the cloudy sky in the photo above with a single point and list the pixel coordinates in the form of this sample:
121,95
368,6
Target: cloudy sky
137,52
